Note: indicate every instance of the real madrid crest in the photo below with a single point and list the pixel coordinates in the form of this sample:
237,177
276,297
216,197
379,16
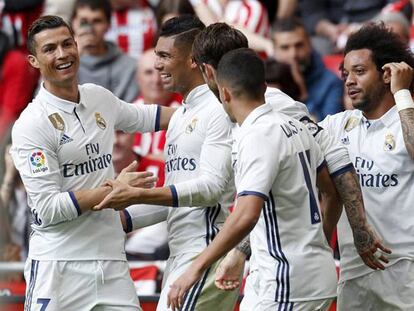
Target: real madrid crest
191,127
57,121
100,122
389,143
351,123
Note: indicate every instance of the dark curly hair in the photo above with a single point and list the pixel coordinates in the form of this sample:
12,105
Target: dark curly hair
385,46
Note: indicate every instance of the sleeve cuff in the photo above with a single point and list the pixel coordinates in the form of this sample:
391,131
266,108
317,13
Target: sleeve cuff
255,193
343,170
321,166
158,119
75,202
128,221
174,195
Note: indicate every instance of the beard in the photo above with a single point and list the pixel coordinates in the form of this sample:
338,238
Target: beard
371,99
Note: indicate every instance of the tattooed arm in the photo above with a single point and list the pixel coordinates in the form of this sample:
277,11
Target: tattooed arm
401,76
407,124
365,239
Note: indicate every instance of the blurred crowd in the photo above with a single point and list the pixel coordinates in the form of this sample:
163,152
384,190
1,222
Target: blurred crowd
300,40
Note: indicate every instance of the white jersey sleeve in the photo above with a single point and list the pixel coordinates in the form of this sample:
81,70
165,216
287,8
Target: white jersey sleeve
258,166
215,168
128,117
36,160
142,215
138,117
336,155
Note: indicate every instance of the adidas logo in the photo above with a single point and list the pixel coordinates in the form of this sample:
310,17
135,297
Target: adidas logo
65,139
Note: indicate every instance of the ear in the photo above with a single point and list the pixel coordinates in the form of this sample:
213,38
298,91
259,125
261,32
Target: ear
33,61
386,76
226,94
193,64
210,71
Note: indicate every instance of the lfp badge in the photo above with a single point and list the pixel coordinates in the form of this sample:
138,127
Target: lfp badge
38,163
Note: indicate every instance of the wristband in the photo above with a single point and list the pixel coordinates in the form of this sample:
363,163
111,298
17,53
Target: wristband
403,99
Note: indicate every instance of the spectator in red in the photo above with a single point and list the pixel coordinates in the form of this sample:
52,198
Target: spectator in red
17,17
133,26
17,83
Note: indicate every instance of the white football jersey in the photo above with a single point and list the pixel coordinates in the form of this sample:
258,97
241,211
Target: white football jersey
277,159
60,147
386,175
197,169
336,155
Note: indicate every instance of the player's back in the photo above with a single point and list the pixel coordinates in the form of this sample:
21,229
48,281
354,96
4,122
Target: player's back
290,249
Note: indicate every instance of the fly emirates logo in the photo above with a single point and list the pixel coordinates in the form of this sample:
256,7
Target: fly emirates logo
367,178
94,163
177,163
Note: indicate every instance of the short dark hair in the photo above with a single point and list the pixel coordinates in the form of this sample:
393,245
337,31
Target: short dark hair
42,23
385,45
243,72
103,5
287,24
184,28
216,40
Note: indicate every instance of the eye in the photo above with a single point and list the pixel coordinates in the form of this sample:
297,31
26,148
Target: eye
48,50
68,44
359,71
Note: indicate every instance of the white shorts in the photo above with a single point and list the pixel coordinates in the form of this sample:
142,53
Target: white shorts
79,285
391,289
204,295
252,300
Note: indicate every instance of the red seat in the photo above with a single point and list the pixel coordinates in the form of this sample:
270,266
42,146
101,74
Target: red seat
332,62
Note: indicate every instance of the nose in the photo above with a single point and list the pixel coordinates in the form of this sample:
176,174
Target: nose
350,80
158,63
61,53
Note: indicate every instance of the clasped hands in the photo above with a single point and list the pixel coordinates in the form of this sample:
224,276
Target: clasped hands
126,187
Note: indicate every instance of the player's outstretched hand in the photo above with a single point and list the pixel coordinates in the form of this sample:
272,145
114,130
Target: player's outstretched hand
180,287
370,248
230,270
130,177
119,198
401,75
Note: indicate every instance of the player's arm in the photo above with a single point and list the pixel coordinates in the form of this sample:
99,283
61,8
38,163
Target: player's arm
240,222
140,117
400,82
366,240
139,216
40,171
347,186
331,205
204,190
231,268
37,162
